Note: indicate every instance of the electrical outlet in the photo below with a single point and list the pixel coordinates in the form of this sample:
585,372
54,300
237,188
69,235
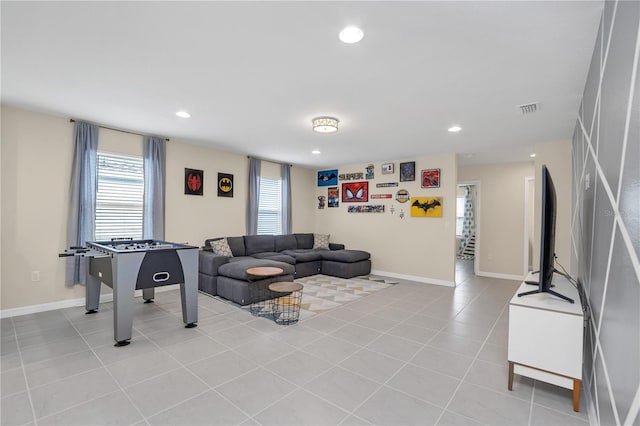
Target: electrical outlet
35,276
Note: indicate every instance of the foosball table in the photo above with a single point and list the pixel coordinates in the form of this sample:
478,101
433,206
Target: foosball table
130,265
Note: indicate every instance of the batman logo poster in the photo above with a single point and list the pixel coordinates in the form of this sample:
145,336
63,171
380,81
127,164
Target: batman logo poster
225,185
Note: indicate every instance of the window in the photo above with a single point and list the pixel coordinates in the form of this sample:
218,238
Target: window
119,200
270,206
459,215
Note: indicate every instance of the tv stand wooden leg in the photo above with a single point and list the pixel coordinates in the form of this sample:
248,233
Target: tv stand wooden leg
576,395
510,384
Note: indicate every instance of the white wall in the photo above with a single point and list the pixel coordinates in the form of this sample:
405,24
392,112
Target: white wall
502,223
36,159
422,249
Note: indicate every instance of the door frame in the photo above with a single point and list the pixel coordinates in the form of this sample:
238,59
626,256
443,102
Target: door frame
476,212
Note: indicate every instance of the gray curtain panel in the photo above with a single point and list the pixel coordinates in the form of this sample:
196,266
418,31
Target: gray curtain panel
82,206
254,194
154,188
285,172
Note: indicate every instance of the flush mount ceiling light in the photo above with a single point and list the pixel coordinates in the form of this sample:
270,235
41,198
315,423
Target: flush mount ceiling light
532,155
315,152
351,35
454,129
183,114
325,124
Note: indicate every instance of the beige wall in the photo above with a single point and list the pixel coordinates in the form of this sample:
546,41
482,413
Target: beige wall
422,249
36,166
557,157
502,218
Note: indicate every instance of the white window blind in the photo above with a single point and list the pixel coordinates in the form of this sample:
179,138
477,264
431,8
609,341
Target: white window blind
270,206
119,200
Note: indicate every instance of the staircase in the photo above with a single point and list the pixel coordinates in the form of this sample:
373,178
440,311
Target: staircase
469,250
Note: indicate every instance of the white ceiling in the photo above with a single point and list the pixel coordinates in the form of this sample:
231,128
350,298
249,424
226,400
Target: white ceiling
254,74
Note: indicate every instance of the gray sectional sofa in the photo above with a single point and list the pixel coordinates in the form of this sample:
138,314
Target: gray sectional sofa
295,254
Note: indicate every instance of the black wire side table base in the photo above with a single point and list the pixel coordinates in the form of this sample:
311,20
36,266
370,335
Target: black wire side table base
286,307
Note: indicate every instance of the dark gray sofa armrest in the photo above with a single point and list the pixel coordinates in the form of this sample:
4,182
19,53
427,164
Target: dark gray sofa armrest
335,246
209,262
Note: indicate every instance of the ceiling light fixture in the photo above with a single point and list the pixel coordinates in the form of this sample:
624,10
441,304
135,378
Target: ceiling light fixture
454,129
351,35
315,152
183,114
532,155
325,124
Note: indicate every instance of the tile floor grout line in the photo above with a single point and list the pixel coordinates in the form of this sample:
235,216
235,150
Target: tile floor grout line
24,375
108,372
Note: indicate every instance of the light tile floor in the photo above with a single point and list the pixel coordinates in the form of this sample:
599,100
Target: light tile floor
413,354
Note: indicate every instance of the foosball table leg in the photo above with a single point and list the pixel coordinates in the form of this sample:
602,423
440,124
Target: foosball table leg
92,290
148,294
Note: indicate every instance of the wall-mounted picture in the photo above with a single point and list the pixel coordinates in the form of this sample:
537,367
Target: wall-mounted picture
193,181
377,208
402,195
408,171
328,177
370,173
333,197
321,199
426,206
355,192
431,178
387,169
225,185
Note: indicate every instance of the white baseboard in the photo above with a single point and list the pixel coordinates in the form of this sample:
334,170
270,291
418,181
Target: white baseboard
501,276
416,278
70,303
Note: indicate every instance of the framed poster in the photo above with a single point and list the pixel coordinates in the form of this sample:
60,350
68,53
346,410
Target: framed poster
431,178
328,177
426,206
193,181
387,169
225,185
333,197
408,171
355,192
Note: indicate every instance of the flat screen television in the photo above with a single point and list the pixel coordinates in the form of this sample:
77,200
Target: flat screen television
547,239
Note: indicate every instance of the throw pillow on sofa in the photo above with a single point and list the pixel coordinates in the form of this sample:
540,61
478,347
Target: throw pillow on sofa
221,247
321,241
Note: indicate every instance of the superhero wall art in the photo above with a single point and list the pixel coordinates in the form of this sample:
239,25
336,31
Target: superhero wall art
193,181
225,185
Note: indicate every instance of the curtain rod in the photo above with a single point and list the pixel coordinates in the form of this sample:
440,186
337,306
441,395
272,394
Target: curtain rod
270,161
118,130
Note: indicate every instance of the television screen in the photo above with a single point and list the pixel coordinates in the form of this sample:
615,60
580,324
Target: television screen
547,239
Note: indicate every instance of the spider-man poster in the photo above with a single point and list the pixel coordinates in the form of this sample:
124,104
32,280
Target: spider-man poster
193,181
355,192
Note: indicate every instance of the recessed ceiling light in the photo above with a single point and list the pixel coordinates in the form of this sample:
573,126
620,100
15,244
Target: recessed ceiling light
183,114
532,155
454,129
351,35
315,152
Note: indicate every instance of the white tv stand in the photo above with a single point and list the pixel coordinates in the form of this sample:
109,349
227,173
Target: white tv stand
546,336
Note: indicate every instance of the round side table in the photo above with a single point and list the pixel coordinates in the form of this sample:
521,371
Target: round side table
258,292
286,308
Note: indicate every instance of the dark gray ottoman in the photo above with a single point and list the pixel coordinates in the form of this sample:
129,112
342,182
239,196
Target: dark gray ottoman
345,263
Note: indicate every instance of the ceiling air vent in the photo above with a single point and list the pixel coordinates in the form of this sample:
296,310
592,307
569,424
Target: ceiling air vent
529,108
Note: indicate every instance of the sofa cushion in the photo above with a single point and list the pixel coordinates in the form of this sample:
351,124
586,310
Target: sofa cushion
304,255
305,241
221,247
285,242
237,245
321,241
280,257
258,244
345,256
238,269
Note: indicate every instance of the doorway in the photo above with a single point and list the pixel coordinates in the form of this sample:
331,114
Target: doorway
467,230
